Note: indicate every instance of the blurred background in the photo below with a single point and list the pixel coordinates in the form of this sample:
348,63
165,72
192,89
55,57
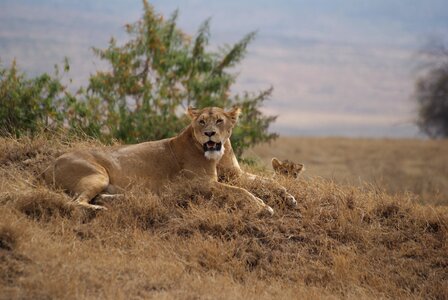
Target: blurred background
344,68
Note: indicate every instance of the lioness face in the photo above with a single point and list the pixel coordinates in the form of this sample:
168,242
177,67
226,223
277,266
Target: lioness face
212,126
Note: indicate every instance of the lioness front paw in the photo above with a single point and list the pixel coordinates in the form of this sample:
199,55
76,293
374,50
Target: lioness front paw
266,211
290,200
89,206
97,207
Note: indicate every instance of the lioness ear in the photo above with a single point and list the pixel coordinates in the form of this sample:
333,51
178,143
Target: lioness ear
276,163
192,112
234,114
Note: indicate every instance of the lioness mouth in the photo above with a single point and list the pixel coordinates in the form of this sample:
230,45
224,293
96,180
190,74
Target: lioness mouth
212,146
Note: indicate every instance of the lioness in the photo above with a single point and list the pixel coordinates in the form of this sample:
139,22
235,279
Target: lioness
202,149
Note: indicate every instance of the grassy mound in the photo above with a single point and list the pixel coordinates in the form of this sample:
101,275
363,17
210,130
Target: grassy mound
340,242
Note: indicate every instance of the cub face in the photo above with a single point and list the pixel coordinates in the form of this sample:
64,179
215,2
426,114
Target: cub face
212,126
287,168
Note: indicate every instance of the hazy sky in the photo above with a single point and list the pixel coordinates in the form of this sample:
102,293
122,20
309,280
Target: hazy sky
338,67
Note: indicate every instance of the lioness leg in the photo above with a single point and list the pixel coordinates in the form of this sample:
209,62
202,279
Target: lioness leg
263,208
80,177
281,190
90,187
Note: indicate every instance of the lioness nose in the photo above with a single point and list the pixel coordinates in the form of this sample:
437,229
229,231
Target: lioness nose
209,133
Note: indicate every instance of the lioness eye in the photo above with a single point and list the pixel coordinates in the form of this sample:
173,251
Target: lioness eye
202,122
219,121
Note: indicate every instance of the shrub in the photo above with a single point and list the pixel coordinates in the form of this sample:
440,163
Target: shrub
431,92
26,105
160,71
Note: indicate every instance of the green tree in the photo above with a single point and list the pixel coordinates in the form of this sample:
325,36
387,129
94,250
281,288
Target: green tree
431,92
143,95
161,71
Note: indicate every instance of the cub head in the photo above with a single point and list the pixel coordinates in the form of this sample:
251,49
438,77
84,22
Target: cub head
287,168
212,126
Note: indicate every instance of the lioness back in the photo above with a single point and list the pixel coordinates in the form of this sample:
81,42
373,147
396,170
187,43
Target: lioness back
152,161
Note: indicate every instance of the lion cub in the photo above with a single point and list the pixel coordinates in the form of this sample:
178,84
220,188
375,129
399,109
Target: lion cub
287,168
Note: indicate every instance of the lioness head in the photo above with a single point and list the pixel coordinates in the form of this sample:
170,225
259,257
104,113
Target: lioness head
212,126
287,168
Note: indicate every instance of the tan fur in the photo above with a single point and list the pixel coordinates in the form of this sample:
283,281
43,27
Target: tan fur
287,168
87,174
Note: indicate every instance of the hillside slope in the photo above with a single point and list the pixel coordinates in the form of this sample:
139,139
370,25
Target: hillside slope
341,241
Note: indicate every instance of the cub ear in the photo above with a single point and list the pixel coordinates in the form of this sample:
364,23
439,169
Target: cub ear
276,163
192,112
233,114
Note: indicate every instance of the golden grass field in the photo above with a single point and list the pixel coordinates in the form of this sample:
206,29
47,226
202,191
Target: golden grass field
371,222
398,166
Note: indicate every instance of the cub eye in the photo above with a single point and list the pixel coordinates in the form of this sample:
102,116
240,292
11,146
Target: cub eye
202,122
219,121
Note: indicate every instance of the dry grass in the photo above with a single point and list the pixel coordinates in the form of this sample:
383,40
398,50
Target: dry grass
416,166
341,242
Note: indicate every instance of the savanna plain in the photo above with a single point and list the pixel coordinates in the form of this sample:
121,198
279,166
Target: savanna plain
371,222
